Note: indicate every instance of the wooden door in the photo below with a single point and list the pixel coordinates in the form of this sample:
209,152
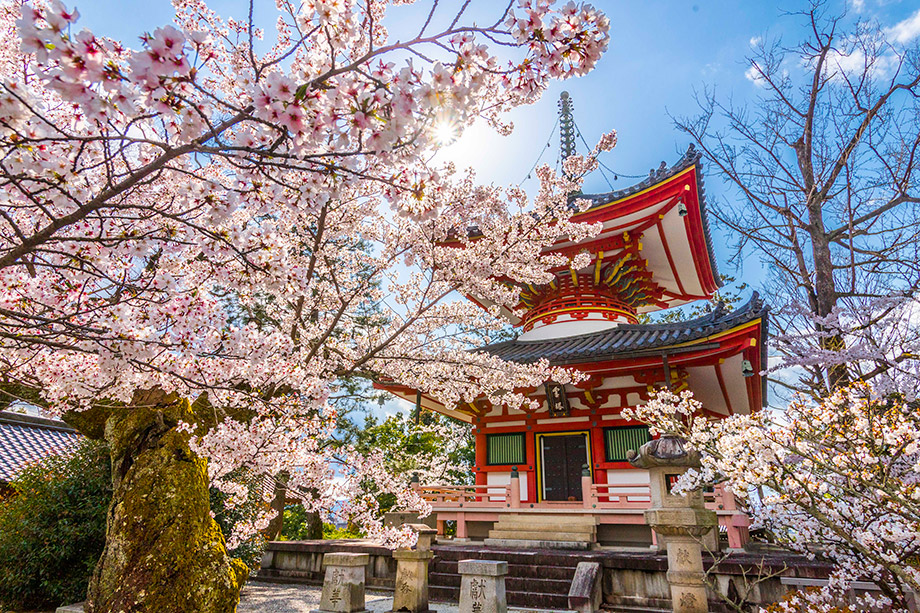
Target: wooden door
562,460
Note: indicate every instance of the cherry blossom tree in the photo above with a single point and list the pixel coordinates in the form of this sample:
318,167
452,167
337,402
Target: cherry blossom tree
826,186
155,200
839,479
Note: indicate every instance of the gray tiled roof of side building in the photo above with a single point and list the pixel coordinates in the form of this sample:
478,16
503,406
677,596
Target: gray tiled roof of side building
25,439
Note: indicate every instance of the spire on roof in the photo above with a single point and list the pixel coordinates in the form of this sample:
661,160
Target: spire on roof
566,126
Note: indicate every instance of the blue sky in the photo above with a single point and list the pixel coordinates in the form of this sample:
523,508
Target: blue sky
660,51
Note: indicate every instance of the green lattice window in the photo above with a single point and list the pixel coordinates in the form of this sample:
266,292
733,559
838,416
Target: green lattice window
617,441
505,449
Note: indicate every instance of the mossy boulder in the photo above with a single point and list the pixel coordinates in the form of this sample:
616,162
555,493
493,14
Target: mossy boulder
164,552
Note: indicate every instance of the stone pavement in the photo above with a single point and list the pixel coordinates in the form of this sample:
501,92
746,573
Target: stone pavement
258,597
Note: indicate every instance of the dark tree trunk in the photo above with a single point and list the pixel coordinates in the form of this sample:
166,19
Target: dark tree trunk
163,552
826,294
276,525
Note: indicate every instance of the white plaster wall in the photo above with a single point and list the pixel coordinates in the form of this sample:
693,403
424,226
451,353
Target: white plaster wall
629,475
505,479
565,326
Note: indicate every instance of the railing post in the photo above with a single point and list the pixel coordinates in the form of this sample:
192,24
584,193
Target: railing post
586,494
461,526
515,501
738,522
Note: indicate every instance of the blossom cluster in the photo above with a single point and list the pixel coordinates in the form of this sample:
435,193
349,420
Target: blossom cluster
838,478
255,217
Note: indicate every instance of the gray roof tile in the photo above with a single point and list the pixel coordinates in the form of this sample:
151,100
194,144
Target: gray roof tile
25,439
628,339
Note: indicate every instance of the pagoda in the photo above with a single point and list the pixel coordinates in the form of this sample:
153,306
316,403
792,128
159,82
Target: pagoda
568,457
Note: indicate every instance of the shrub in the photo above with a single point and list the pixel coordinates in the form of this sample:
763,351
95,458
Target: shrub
52,528
228,516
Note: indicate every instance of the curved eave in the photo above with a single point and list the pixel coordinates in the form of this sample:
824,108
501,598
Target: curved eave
684,181
410,395
677,249
715,343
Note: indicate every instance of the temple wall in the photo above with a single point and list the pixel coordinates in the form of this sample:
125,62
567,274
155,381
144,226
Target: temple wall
504,478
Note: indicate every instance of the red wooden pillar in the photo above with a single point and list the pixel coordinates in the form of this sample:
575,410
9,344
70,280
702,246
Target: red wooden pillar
531,458
599,457
481,460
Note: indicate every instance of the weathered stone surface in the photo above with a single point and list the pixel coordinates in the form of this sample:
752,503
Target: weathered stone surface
585,595
163,550
71,608
411,593
302,561
534,544
398,518
681,518
482,586
343,588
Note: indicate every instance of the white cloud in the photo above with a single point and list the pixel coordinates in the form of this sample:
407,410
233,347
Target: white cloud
905,31
858,5
755,40
855,63
753,75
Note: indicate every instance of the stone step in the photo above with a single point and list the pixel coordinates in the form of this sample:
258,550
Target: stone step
536,519
563,573
546,535
552,602
537,585
549,528
516,543
536,557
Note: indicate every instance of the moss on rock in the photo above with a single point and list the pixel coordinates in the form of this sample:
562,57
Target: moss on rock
164,552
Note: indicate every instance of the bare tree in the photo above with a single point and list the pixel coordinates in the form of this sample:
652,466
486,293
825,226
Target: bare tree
826,164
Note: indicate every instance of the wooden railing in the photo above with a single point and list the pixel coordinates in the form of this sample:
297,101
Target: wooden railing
619,496
594,496
458,501
476,496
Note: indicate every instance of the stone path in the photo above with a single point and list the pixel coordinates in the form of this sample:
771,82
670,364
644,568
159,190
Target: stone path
260,597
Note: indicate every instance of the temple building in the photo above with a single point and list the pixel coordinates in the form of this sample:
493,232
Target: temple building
558,475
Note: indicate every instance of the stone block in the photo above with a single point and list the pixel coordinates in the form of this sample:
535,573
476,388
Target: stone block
411,593
585,595
343,587
482,586
71,608
398,518
426,535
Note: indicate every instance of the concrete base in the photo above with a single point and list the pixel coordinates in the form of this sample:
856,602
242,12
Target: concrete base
71,608
528,544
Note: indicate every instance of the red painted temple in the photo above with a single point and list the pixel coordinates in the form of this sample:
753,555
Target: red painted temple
561,469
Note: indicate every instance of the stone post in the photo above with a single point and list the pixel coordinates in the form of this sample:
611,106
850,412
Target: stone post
682,519
412,573
482,586
515,501
343,587
587,498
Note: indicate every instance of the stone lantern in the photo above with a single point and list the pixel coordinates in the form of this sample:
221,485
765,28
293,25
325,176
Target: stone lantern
682,519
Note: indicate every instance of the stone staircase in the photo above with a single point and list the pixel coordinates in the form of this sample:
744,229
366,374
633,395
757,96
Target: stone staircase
544,531
538,579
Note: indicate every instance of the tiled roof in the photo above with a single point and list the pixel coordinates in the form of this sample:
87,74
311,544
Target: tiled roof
692,157
25,439
627,340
